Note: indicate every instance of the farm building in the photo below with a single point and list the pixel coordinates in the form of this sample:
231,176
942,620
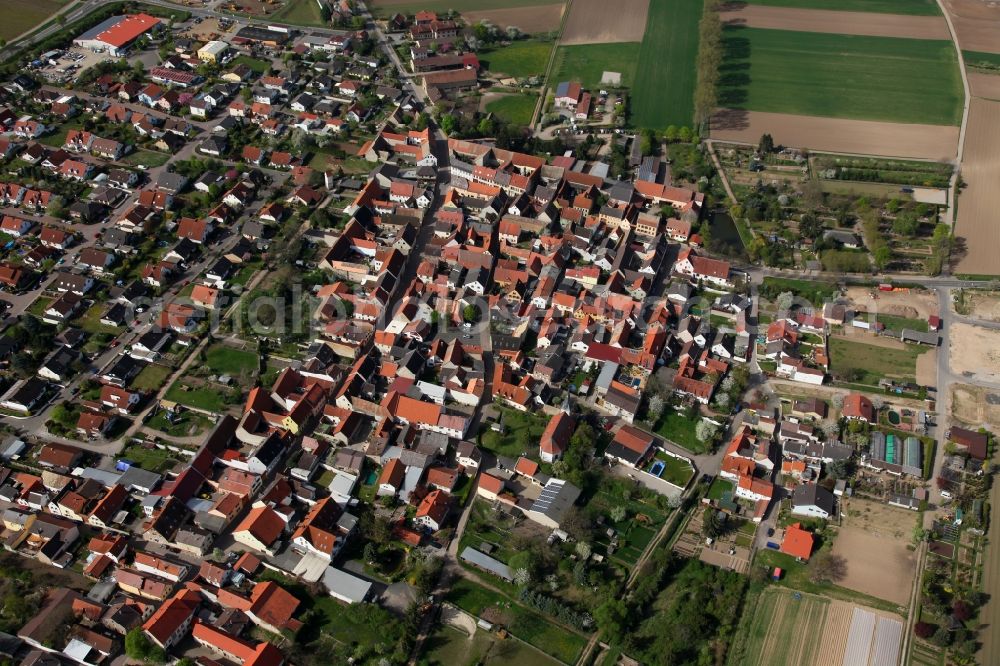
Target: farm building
891,454
976,443
487,563
117,33
812,500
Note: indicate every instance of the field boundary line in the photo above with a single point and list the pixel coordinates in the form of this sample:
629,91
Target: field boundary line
540,104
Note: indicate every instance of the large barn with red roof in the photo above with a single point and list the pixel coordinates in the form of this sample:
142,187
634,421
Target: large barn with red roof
117,33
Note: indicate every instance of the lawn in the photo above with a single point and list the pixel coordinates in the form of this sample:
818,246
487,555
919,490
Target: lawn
517,109
185,424
153,460
816,293
663,93
21,16
680,430
522,59
523,623
90,321
301,12
522,433
675,471
227,360
841,76
912,7
151,378
255,64
147,158
206,398
719,488
874,362
447,646
587,63
894,323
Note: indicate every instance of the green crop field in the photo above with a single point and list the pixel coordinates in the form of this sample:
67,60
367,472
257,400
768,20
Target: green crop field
873,362
20,16
981,60
912,7
389,7
516,108
663,93
520,60
587,63
841,76
301,12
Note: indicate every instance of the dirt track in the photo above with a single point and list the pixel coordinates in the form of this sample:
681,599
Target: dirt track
977,233
604,22
533,20
977,24
866,137
841,23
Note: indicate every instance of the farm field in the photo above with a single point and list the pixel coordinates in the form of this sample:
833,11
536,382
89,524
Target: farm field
982,84
388,7
786,630
21,16
977,24
600,22
516,108
913,7
895,361
587,63
837,22
533,20
977,237
521,59
300,12
840,76
866,137
663,93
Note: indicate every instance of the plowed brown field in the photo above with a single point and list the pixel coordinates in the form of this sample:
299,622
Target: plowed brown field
864,137
604,22
977,230
843,23
533,20
976,23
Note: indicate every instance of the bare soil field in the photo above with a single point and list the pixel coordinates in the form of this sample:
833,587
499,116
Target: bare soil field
838,135
981,304
910,304
603,22
927,368
976,406
984,85
206,30
532,20
868,338
874,542
977,236
841,23
976,23
975,351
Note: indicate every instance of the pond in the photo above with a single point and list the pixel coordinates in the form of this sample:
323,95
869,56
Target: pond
893,417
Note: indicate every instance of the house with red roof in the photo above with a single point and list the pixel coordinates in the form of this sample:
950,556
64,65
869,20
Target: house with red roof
490,487
171,621
117,33
433,510
797,542
858,408
555,437
391,478
630,446
236,649
261,529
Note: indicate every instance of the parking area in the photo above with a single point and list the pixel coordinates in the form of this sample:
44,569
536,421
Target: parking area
65,65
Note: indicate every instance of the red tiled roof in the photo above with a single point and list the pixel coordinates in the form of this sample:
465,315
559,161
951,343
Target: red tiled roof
797,542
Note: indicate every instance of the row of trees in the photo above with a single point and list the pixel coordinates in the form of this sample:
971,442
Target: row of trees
709,61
